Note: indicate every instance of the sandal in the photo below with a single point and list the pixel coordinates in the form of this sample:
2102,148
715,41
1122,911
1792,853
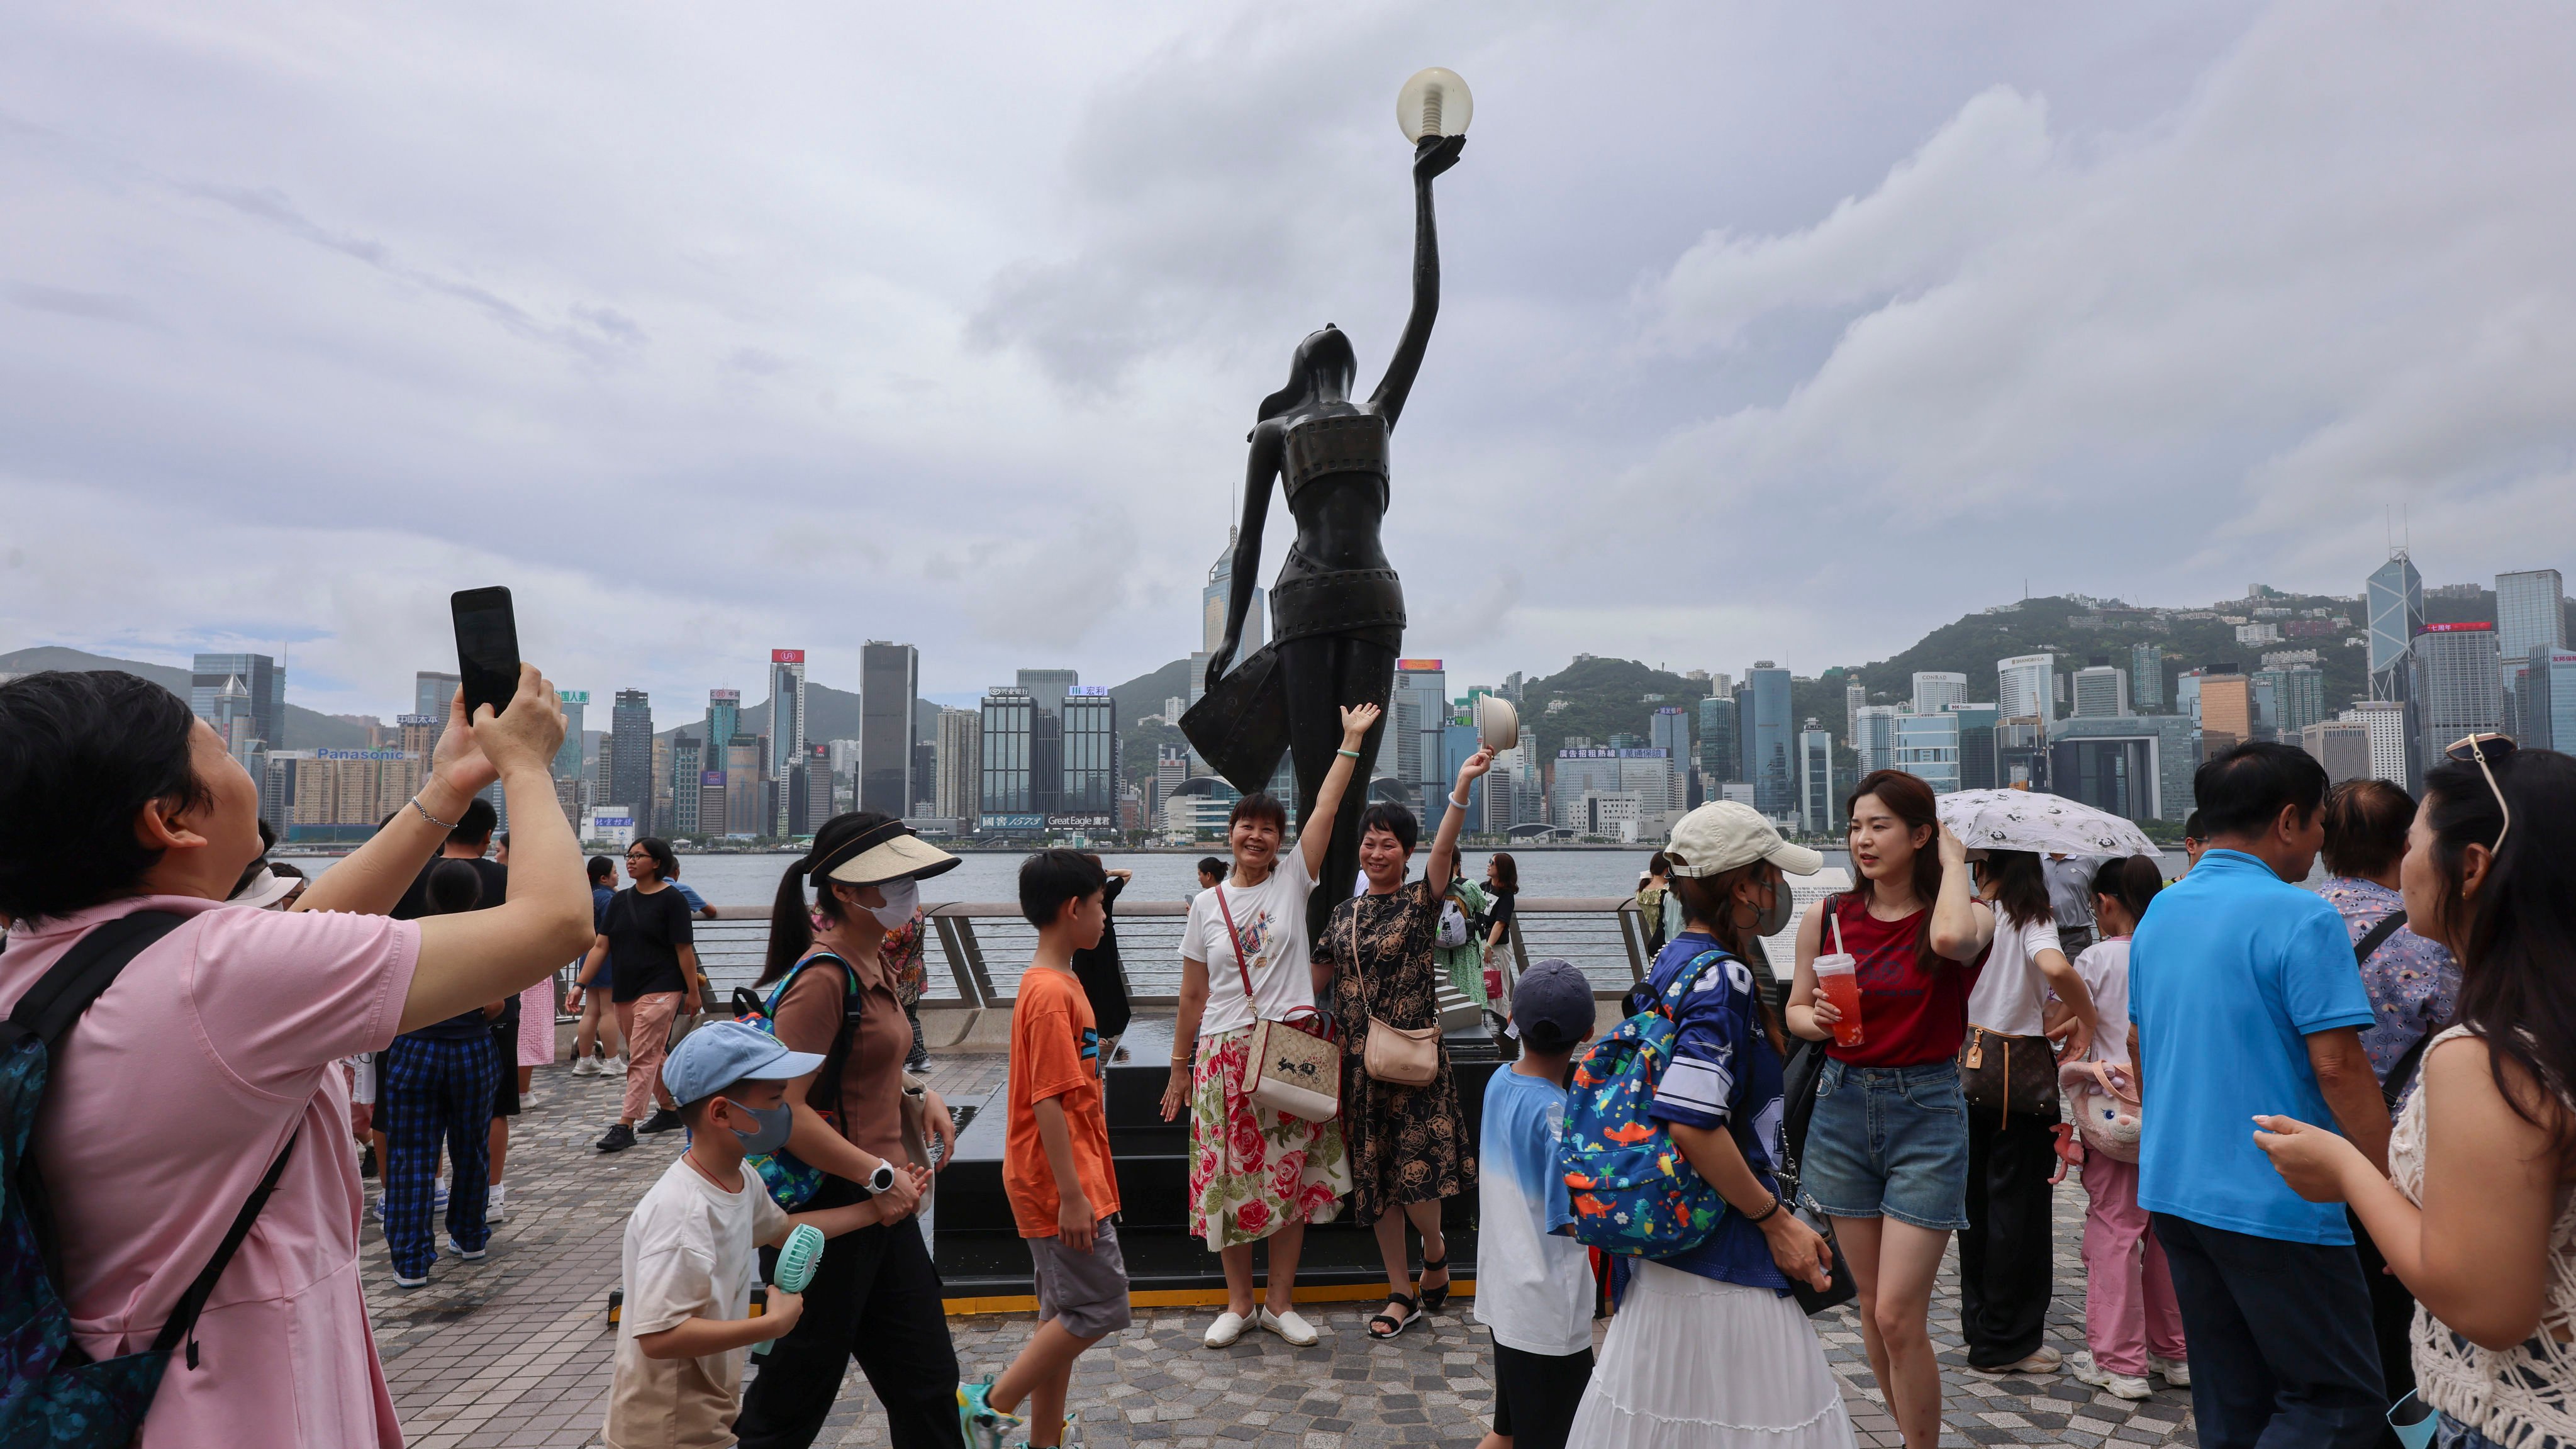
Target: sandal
1394,1325
1432,1297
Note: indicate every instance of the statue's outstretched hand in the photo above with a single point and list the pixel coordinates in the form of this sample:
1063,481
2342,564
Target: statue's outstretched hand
1436,154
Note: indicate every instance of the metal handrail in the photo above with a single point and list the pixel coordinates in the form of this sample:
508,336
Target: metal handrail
977,947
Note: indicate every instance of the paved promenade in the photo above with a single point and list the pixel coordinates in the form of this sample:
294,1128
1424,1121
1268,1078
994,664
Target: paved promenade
515,1350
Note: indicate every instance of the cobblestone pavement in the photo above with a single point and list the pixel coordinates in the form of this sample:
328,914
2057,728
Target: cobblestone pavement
516,1350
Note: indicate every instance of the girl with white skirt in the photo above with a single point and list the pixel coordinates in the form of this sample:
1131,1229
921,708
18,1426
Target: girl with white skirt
1709,1349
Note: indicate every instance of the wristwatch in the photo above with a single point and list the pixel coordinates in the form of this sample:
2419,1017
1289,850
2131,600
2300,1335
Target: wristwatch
881,1180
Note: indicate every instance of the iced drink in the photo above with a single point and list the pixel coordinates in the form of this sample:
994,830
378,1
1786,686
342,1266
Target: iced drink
1838,981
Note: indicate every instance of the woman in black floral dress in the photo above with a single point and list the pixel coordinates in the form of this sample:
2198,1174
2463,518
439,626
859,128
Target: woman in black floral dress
1408,1146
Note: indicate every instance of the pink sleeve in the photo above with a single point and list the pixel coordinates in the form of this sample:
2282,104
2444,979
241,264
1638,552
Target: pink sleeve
275,994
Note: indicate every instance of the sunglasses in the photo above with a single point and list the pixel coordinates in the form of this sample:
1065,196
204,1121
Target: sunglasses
2484,749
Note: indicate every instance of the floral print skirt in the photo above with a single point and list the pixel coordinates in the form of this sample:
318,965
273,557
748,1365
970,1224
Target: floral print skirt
1252,1170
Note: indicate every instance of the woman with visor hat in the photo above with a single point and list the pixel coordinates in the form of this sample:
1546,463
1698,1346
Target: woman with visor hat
875,1297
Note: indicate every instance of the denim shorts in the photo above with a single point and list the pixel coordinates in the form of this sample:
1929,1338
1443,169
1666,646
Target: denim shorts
1890,1142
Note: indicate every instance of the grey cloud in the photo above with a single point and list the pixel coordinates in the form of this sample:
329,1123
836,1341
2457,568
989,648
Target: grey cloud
96,306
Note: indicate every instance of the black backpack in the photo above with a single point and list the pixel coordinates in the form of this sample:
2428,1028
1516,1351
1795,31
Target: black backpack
52,1393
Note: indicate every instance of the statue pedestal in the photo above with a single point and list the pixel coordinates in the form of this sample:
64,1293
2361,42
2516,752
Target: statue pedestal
980,1254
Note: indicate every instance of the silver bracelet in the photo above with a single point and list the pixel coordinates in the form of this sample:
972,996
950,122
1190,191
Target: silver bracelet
432,819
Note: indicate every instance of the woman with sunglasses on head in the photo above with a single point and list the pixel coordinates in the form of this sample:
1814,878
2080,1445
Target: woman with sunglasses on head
874,1298
647,926
2478,1213
1887,1148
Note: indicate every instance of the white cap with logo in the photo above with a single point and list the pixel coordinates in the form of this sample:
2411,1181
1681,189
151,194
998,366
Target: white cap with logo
1723,834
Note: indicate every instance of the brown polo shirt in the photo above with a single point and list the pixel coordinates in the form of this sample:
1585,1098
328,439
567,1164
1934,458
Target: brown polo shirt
809,1016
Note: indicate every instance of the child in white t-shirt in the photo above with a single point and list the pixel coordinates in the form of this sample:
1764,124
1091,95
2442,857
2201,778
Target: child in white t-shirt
2132,1323
692,1245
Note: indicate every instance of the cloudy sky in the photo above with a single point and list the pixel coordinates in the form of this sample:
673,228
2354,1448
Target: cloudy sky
1779,331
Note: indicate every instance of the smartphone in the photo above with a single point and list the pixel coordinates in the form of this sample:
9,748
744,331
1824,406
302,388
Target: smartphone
487,647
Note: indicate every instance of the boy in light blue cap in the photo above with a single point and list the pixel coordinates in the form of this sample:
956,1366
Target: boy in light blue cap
692,1244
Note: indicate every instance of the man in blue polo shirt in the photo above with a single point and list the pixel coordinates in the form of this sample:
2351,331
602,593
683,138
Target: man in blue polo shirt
2247,1000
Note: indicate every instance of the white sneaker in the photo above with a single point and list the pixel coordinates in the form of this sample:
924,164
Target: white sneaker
613,1067
2174,1371
2118,1386
402,1282
2045,1361
493,1209
585,1066
1228,1327
1290,1327
476,1256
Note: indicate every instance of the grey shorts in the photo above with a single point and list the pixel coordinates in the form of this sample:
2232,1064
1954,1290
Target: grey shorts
1086,1292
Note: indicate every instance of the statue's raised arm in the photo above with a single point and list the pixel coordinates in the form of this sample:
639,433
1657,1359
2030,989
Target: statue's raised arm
1432,156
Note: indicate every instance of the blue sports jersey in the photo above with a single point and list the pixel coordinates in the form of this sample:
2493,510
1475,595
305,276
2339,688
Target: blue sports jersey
1724,1074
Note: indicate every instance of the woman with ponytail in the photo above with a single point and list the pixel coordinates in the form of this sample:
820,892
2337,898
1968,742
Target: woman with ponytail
875,1297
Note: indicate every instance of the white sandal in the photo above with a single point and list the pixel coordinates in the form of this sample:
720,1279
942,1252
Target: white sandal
1228,1327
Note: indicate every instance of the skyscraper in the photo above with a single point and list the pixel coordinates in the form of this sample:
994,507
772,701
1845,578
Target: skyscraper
1767,744
262,690
786,730
2101,690
1214,600
2396,598
2392,757
631,726
1815,780
2298,699
1874,737
1416,718
1935,692
1720,758
433,694
1927,747
1668,729
724,721
2226,707
1855,699
1087,793
1976,746
2147,677
2531,612
889,682
1009,729
688,772
2026,686
2549,700
2462,691
743,792
568,759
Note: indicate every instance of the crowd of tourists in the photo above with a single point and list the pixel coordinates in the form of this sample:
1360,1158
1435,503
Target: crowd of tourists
2327,1135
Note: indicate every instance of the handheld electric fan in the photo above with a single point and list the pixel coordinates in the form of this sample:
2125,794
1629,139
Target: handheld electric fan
796,1260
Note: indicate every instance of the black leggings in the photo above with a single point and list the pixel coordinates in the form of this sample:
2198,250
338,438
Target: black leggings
875,1298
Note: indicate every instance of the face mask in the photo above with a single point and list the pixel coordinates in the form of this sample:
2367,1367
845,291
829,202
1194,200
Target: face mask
1775,917
902,897
775,1124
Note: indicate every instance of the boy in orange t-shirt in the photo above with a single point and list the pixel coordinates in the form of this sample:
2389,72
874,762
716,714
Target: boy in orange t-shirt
1055,1164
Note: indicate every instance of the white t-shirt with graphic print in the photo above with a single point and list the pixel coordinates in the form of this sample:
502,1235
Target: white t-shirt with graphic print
1271,919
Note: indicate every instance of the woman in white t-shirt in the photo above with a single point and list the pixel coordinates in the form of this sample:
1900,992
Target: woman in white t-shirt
2004,1268
1255,1173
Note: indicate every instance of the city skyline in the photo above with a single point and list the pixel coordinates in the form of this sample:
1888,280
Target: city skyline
2020,312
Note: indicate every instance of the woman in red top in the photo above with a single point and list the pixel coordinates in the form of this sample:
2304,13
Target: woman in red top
1887,1149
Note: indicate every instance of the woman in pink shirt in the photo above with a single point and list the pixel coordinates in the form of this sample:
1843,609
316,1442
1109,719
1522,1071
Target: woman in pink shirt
218,1045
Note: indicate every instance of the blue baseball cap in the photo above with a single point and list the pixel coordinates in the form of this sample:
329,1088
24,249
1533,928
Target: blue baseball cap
719,1054
1552,1006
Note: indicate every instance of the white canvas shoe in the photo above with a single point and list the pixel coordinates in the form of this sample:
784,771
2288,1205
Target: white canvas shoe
1228,1327
585,1066
1290,1327
2174,1371
494,1206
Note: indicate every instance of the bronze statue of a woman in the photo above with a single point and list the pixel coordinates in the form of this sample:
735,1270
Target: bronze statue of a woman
1337,610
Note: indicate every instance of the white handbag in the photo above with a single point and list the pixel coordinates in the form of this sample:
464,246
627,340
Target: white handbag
1294,1065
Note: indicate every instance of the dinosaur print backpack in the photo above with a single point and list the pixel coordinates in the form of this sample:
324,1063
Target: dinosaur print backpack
1633,1192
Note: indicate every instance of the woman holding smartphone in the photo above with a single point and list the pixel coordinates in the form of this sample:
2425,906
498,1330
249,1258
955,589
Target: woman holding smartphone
1887,1148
